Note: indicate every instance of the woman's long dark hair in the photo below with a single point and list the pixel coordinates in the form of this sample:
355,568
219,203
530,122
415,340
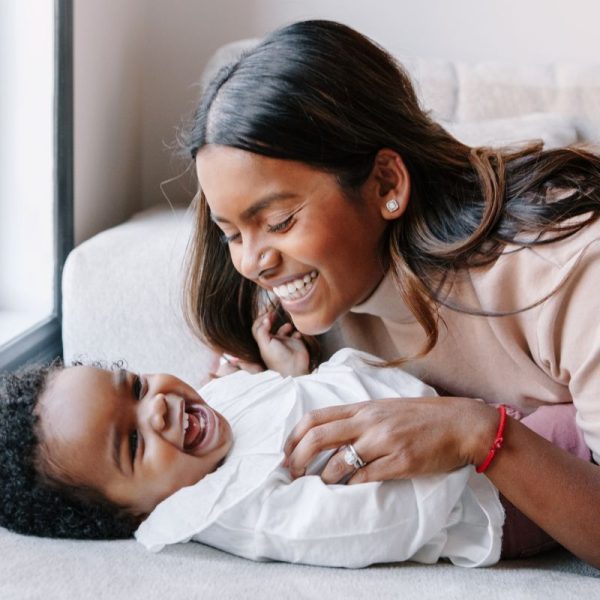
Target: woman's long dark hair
320,93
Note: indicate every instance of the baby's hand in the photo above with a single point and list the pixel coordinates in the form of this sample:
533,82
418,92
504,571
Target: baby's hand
285,351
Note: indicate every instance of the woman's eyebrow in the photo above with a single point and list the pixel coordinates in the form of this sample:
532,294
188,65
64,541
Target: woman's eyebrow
258,206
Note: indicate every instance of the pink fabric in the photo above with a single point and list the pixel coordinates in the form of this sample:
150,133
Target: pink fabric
521,536
556,423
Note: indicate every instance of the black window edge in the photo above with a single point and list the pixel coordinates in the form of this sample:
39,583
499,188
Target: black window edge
43,342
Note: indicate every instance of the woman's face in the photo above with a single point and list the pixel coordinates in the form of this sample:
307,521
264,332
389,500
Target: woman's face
291,230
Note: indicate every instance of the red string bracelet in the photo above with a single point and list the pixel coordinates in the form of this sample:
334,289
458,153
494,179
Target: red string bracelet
498,441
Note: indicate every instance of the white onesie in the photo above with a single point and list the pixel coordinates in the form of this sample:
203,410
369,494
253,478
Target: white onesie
250,507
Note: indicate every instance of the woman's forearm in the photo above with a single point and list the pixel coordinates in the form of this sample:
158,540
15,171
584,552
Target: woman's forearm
402,438
556,490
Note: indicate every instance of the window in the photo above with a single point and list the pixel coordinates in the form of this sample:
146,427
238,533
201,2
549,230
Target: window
36,222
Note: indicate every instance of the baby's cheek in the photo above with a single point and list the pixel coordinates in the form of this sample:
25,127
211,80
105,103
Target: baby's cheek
227,434
189,472
171,481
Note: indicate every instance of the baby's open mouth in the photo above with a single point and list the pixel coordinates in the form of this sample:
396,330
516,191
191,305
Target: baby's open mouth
196,428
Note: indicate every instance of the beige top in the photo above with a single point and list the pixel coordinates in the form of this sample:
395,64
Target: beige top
547,354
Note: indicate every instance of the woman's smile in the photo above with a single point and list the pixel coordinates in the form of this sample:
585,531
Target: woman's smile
295,288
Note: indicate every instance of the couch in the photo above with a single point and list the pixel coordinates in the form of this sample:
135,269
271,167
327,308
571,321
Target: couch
122,301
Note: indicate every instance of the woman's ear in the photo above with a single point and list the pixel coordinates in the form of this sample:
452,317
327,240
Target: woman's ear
390,184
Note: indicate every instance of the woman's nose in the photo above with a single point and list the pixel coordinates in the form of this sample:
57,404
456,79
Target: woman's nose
258,262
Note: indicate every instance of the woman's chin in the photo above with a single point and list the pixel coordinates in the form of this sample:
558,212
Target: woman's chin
308,325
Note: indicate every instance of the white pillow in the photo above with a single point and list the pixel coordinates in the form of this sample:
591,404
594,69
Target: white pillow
554,130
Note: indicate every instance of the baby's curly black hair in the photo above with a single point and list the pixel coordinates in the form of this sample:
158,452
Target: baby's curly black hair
33,499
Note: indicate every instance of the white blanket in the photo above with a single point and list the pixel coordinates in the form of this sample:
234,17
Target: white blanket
250,507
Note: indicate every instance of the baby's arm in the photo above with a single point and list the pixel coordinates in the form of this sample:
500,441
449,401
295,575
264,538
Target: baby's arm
284,351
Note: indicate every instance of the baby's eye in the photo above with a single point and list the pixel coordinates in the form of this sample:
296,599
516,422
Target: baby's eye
133,444
282,226
137,386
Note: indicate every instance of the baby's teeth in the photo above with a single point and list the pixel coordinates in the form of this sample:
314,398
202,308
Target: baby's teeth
291,288
307,278
186,421
299,283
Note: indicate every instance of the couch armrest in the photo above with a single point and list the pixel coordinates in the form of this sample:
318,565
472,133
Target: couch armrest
122,298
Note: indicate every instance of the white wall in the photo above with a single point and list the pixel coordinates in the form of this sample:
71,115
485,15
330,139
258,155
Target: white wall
109,70
181,36
527,30
125,126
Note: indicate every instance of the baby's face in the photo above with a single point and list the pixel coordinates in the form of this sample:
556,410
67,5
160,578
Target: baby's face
135,439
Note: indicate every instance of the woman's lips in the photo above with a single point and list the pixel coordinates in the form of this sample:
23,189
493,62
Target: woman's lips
296,288
295,304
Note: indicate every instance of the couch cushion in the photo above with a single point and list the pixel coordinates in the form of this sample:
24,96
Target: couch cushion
554,130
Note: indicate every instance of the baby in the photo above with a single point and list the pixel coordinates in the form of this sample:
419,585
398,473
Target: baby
94,453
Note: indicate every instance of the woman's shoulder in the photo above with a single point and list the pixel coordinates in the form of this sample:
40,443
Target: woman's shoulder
524,275
563,252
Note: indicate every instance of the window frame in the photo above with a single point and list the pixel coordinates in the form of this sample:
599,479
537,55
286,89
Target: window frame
43,342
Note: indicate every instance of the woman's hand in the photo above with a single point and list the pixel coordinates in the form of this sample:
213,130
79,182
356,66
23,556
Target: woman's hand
285,351
397,437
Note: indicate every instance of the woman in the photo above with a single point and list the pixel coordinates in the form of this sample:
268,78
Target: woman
327,188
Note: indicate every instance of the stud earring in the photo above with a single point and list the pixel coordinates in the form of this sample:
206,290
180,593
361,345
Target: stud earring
392,205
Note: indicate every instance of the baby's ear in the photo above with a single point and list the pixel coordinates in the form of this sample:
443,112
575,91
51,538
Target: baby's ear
137,514
139,517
